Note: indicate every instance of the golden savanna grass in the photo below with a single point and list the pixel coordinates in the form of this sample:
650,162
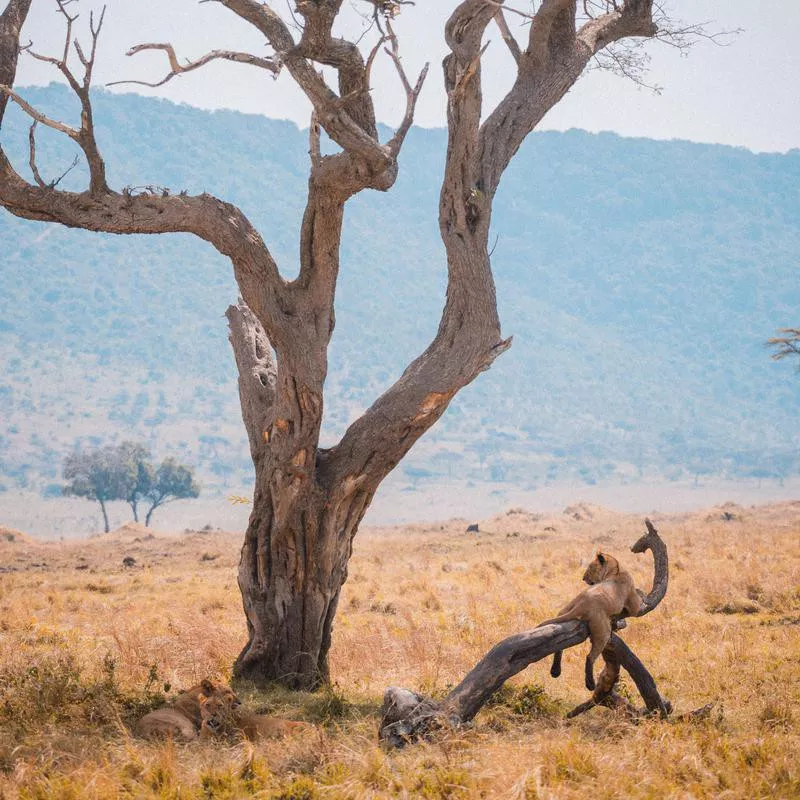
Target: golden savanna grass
87,645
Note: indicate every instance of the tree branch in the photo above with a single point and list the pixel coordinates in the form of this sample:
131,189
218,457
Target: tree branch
34,168
32,153
655,544
270,64
556,56
37,116
635,18
468,339
84,136
221,224
786,345
508,37
348,118
412,93
553,17
318,44
100,209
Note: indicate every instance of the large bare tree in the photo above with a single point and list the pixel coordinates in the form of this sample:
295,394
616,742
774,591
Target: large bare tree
308,501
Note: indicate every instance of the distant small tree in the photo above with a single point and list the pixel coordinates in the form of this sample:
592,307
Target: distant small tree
135,460
98,475
125,472
788,344
171,481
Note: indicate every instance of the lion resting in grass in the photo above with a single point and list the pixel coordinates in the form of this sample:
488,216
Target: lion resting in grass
611,591
181,719
221,717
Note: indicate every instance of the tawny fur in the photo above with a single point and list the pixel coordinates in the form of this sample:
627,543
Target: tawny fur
181,719
221,718
611,591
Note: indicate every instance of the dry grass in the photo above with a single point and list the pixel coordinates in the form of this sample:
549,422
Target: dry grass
87,645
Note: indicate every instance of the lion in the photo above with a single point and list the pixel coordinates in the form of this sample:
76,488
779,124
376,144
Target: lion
611,591
221,717
181,719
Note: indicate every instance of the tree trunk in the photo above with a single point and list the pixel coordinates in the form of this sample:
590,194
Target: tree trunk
299,537
135,510
292,569
107,528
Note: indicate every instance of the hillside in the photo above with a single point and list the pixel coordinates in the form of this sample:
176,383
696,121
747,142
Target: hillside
639,279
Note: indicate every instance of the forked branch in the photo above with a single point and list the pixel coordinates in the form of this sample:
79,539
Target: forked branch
412,92
272,65
38,116
84,136
40,182
618,655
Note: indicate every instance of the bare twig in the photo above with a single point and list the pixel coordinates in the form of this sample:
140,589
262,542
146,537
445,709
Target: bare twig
38,116
786,345
412,93
273,65
371,60
32,160
508,37
511,10
53,184
84,136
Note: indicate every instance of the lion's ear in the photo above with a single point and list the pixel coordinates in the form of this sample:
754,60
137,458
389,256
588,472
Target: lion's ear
601,558
207,686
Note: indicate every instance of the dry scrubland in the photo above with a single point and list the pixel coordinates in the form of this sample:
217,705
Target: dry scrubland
87,644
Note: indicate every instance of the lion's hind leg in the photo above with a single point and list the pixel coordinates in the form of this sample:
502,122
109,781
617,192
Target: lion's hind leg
599,634
168,723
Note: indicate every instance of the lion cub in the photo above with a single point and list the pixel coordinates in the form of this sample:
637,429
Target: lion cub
221,717
181,719
611,591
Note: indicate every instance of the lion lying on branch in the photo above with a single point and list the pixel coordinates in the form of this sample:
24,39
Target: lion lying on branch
611,592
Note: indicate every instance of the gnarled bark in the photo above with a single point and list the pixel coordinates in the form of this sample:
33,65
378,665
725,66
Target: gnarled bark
407,716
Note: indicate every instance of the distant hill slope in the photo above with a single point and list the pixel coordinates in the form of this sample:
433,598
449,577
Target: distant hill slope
639,279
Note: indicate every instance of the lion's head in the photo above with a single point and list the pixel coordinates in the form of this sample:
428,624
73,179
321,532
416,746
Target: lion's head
209,688
603,566
217,711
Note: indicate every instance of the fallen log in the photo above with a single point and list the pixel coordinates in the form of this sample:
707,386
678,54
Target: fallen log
407,716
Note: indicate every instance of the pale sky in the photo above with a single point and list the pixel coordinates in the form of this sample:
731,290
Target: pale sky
746,93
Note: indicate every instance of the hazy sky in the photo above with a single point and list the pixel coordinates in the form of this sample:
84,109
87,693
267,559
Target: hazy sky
745,93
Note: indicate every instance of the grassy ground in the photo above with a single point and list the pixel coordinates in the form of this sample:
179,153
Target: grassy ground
87,645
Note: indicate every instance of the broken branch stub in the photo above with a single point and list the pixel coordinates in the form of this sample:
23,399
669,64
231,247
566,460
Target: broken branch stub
407,716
